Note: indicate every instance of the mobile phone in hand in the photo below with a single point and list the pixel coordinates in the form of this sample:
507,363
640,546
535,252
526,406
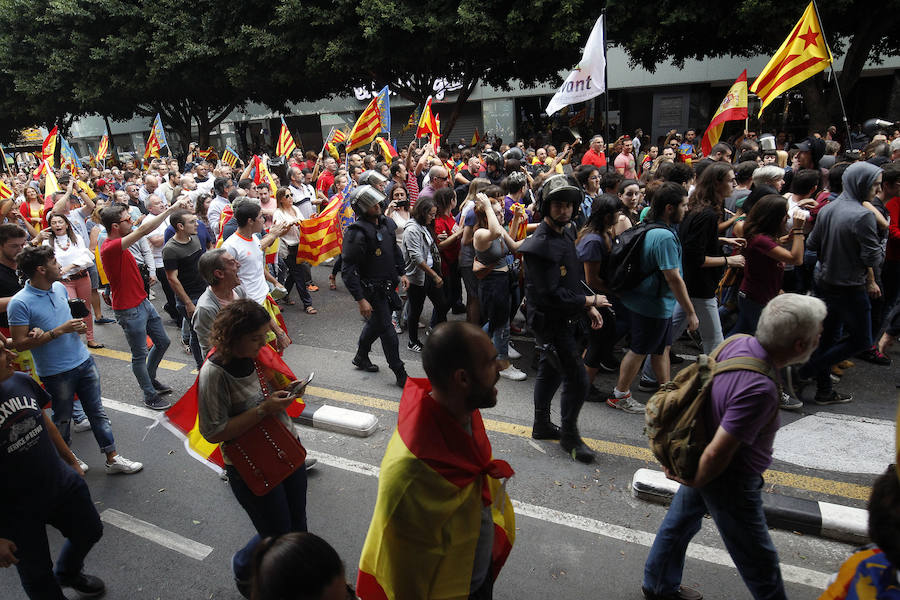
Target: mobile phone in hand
298,388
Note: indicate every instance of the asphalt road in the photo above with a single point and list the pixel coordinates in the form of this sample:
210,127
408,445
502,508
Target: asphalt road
580,533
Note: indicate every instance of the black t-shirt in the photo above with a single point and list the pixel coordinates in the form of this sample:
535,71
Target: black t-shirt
29,463
9,285
699,233
184,259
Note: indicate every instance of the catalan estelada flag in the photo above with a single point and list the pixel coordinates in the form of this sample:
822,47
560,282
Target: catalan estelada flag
732,108
386,149
230,157
286,143
427,123
103,149
436,478
48,148
366,127
803,54
182,419
320,236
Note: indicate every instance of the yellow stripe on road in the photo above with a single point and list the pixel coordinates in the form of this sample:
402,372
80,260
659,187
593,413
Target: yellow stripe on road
792,480
169,365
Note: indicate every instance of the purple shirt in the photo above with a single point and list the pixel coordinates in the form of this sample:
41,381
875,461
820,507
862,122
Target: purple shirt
745,404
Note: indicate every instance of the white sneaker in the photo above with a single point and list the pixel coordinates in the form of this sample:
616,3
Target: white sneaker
511,372
84,425
120,464
151,295
627,404
512,353
84,466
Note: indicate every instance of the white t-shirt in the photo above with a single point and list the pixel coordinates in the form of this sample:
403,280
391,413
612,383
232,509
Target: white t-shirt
292,236
157,250
252,264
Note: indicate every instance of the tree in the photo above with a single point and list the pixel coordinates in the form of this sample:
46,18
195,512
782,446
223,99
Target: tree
410,45
669,30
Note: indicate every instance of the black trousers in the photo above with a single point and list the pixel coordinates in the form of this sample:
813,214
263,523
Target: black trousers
378,326
567,371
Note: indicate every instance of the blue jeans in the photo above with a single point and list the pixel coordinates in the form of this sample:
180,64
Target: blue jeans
83,380
749,312
70,510
281,511
849,311
138,323
193,340
735,503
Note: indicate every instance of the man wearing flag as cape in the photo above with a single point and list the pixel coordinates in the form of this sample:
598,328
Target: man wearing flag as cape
443,524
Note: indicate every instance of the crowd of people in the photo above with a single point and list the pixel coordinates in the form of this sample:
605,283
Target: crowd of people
797,248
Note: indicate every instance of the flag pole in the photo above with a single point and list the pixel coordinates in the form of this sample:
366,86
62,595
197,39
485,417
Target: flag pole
605,92
837,86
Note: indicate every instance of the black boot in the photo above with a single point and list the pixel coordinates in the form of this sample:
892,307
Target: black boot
576,448
362,362
544,429
401,375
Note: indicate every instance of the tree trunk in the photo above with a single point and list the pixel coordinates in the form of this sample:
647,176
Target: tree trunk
817,104
464,93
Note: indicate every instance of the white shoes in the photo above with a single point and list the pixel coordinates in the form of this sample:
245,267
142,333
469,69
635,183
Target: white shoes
84,425
511,372
513,353
84,466
120,464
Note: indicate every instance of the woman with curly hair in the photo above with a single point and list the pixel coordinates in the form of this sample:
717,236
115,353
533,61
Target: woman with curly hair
234,395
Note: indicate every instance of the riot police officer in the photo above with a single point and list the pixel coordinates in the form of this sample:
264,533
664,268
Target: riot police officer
493,167
372,266
556,303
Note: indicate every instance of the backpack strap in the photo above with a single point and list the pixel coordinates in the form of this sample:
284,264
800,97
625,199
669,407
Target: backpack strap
720,347
745,363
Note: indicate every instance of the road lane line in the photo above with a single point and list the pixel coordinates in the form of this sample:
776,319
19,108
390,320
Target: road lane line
718,556
130,408
169,365
808,483
155,534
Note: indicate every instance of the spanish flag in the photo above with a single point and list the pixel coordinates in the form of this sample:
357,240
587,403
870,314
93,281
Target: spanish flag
48,148
803,54
427,123
366,128
475,138
386,149
435,480
262,174
51,185
286,143
182,419
732,108
320,236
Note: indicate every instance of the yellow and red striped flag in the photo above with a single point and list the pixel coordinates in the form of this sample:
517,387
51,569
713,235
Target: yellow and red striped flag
229,156
103,148
413,120
433,472
262,174
286,143
339,136
386,149
475,138
732,108
320,236
153,146
428,125
366,127
801,56
5,191
48,148
182,419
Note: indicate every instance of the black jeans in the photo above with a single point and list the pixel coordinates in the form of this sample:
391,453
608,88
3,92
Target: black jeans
195,341
378,325
69,509
170,307
569,372
296,273
417,295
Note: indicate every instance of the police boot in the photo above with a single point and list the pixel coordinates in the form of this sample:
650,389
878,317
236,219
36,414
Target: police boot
571,442
362,362
543,428
400,373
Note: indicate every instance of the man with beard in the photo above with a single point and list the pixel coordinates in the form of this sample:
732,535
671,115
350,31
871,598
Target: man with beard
443,524
742,411
556,301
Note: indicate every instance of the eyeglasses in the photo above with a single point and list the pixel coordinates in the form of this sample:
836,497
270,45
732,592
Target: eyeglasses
126,220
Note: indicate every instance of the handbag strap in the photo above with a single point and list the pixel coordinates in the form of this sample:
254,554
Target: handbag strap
263,386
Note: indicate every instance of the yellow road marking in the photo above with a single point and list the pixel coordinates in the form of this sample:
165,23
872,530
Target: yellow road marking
169,365
792,480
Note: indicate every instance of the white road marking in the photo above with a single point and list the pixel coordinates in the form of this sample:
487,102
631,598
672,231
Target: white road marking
718,556
155,534
131,409
843,443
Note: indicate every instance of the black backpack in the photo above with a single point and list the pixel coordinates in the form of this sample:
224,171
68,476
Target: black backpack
624,265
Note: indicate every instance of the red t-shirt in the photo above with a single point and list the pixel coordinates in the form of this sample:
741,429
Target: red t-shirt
125,281
449,255
593,158
325,181
893,241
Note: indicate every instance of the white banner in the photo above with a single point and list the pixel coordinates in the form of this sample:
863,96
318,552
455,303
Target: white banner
589,78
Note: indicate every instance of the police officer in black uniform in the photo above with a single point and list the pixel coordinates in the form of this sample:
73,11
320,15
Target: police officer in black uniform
493,167
372,266
556,303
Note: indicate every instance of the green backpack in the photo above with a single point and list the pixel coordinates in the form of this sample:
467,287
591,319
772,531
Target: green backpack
674,421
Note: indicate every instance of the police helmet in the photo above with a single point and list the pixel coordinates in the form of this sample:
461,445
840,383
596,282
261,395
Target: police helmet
515,152
559,188
363,198
371,177
494,158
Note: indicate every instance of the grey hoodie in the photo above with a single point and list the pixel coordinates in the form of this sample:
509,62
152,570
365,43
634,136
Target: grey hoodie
845,234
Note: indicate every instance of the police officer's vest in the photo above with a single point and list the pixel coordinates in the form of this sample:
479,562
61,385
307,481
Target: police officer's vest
374,255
